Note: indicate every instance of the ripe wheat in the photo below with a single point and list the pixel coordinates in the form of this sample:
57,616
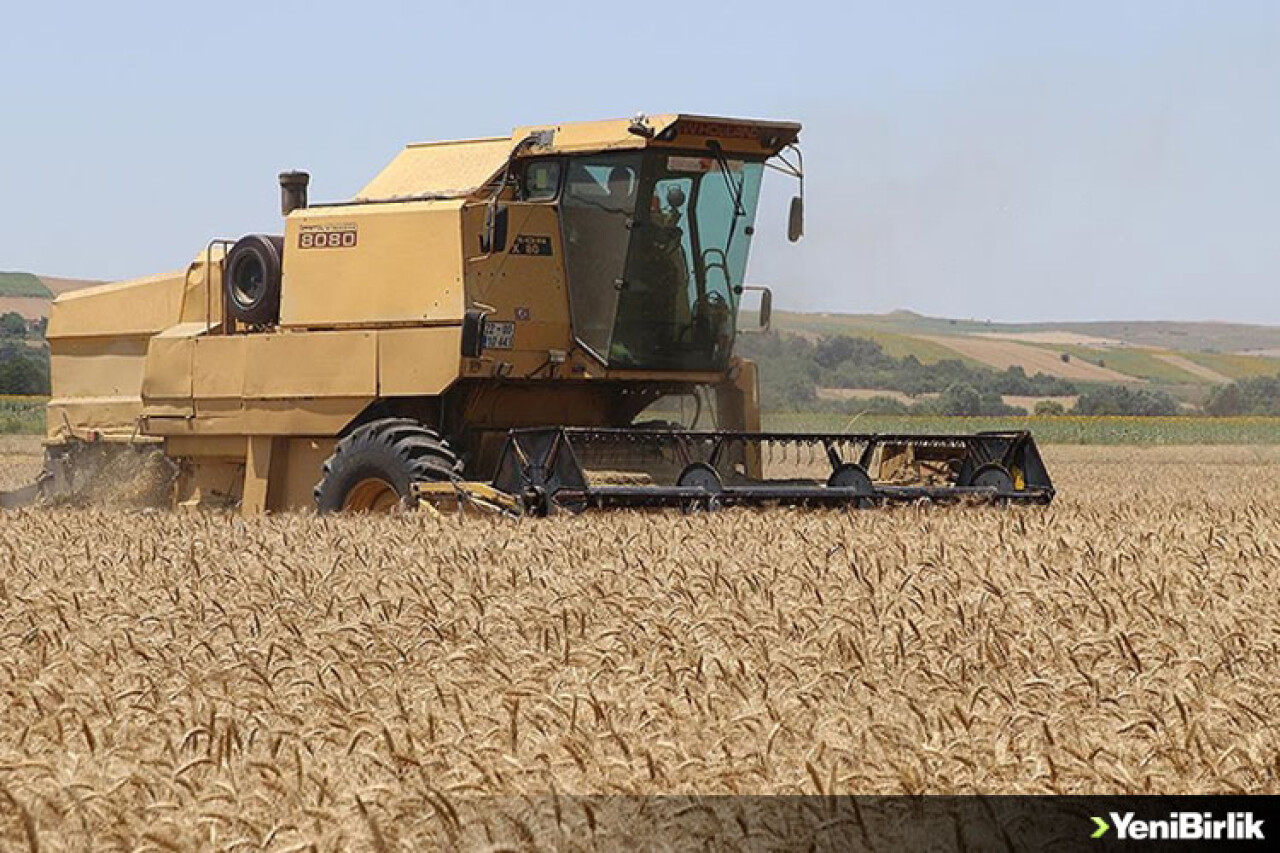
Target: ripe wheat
186,680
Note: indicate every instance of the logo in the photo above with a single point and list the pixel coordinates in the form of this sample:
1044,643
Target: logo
327,237
718,129
1182,826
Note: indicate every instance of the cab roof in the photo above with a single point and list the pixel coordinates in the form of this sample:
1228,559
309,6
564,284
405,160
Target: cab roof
459,169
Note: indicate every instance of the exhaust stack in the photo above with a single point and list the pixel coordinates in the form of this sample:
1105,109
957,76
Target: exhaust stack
293,191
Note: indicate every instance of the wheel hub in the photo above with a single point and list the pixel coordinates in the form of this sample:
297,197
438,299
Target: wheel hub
371,495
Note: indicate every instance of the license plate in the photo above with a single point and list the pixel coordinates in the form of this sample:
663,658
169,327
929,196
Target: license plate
499,335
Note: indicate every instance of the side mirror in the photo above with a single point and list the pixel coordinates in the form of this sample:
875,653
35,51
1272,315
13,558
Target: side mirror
766,306
795,221
494,238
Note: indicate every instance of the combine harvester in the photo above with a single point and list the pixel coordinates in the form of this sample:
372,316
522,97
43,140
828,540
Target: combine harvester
495,320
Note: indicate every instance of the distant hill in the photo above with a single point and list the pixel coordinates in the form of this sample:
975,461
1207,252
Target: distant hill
62,285
30,295
1195,336
23,284
1184,357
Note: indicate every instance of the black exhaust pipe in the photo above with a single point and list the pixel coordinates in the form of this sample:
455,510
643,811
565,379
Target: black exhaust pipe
293,191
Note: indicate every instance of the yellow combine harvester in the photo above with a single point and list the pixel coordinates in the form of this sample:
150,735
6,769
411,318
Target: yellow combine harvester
487,319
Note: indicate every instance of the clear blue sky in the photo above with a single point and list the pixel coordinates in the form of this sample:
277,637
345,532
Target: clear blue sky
1002,160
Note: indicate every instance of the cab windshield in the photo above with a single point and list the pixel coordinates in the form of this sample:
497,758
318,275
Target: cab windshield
656,248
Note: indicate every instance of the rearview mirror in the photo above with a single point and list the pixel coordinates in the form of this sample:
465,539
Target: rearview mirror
795,221
766,306
494,238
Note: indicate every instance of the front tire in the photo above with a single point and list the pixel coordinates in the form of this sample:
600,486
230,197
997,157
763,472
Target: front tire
374,468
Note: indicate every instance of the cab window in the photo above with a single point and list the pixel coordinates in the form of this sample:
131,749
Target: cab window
541,181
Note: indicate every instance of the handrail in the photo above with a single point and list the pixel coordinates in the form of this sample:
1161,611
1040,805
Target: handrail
208,273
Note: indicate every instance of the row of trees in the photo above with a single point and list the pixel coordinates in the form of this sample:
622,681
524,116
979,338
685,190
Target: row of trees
1119,400
1257,396
24,369
13,325
23,373
793,368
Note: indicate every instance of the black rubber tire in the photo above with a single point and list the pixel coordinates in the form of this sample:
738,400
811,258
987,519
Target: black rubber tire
992,475
703,476
251,279
397,451
851,475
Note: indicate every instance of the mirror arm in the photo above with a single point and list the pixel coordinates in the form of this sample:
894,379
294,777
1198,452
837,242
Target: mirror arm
795,222
799,168
785,166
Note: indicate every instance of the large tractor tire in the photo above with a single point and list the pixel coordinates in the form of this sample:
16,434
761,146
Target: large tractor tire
374,468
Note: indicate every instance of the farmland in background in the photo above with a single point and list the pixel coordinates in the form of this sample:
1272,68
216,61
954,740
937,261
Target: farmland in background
23,284
1186,336
1067,429
22,415
1148,351
184,680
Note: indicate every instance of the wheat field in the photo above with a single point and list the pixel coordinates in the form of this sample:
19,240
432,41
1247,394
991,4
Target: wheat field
186,680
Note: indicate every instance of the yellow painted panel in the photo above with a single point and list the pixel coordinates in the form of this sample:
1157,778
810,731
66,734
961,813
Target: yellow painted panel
168,373
312,364
175,408
278,416
264,417
115,416
210,482
525,289
439,168
376,264
184,330
220,366
610,134
422,361
202,297
258,471
227,447
97,367
305,457
140,307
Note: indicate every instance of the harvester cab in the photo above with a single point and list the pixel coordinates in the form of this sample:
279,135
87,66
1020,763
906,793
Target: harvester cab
517,321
